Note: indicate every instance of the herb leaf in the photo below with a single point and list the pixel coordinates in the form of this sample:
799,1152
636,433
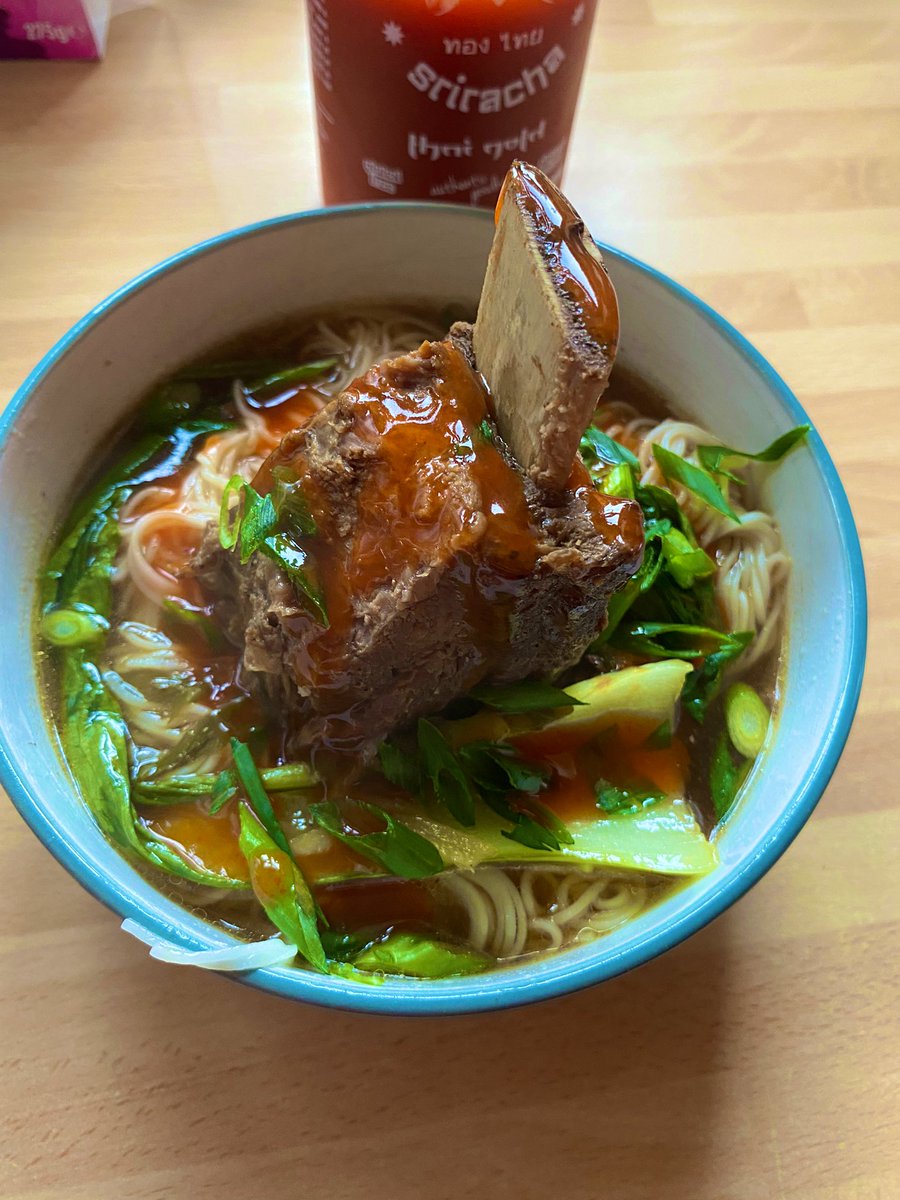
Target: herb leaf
719,458
292,559
498,767
397,848
695,479
597,446
524,697
441,766
400,768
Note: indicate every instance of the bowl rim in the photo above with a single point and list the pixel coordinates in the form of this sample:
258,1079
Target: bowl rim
512,987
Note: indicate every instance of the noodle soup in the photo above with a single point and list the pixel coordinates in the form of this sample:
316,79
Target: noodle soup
519,819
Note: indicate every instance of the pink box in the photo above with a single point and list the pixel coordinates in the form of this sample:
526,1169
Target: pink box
53,28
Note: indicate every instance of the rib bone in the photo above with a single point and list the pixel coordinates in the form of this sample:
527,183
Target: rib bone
547,328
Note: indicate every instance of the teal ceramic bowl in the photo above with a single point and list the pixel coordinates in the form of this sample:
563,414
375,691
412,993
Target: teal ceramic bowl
64,414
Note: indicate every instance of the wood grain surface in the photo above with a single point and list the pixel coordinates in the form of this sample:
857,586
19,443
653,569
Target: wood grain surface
752,149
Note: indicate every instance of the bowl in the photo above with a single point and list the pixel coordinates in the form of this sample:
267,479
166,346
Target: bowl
73,401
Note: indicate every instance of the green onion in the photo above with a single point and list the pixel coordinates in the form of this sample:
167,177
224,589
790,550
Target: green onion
714,458
695,479
230,519
618,481
684,562
195,739
256,793
746,718
194,618
524,697
171,402
725,777
290,375
291,506
258,522
237,368
285,778
615,800
280,886
72,627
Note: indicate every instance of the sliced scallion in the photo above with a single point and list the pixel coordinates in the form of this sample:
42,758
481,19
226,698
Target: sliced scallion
72,627
746,718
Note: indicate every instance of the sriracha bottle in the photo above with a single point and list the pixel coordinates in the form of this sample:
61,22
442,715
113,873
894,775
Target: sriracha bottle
432,99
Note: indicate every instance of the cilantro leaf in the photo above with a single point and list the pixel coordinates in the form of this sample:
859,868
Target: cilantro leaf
498,767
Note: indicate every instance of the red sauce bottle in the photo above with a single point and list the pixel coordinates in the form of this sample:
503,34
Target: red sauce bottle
432,99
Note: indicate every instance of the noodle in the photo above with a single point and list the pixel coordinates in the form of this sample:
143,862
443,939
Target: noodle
517,910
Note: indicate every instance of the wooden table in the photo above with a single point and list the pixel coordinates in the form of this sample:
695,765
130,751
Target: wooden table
749,147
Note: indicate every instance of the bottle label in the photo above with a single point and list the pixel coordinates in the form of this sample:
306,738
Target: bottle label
433,99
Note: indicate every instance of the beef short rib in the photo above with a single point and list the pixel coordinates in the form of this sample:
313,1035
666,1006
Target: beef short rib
440,561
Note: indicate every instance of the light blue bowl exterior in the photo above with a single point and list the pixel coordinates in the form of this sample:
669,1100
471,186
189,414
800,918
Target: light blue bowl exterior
111,879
